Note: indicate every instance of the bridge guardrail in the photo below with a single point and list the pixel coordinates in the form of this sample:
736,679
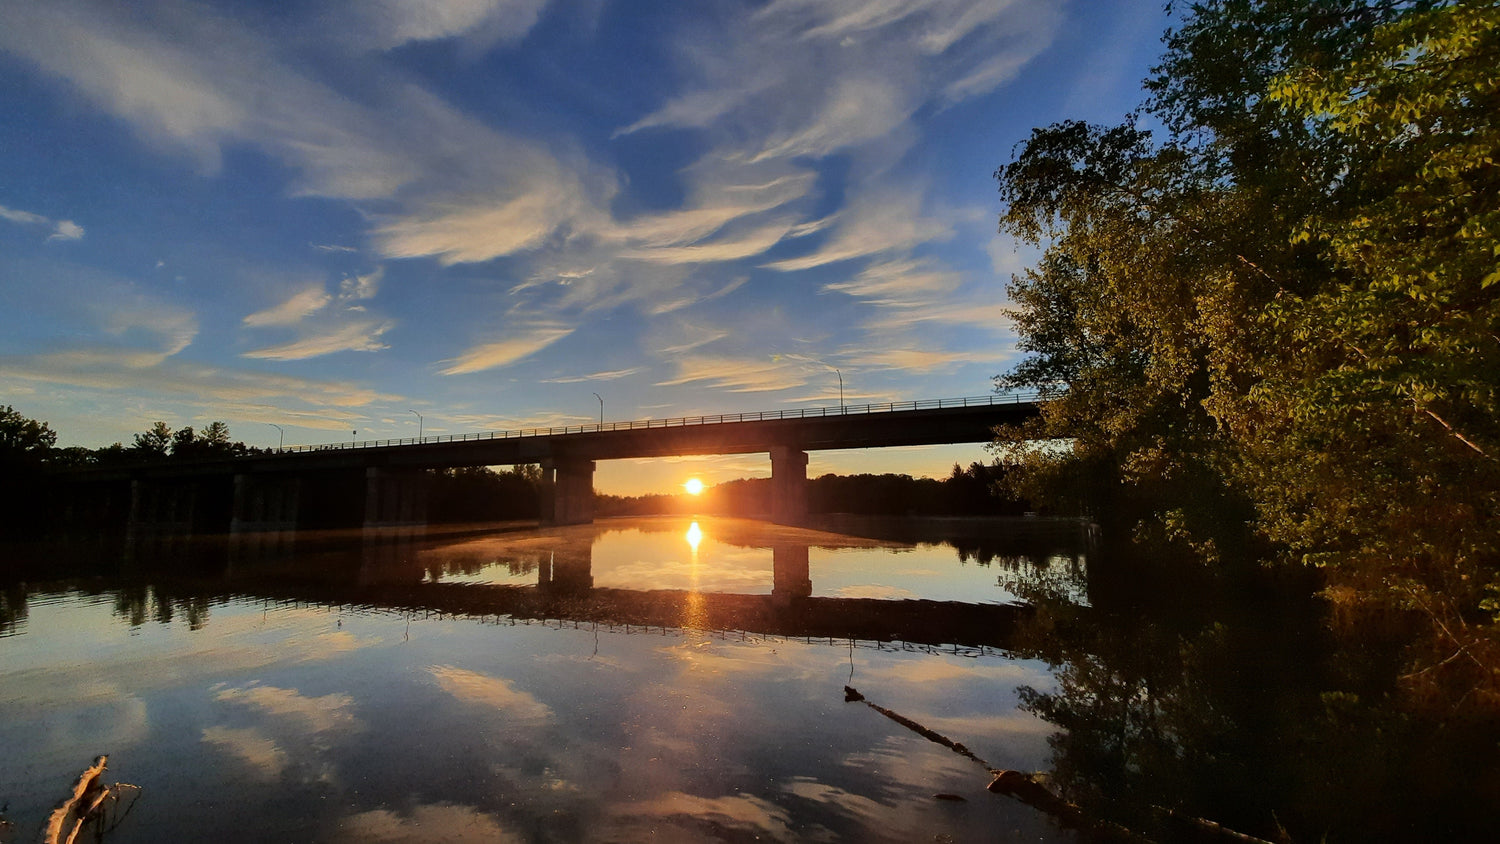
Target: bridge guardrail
681,421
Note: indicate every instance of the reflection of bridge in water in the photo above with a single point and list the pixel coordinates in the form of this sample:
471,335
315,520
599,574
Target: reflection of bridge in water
403,575
396,577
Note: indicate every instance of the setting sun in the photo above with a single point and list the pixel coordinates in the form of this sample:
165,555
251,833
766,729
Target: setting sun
693,486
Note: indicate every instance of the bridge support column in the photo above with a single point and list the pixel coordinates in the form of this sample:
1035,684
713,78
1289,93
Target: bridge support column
788,485
264,504
567,491
161,510
395,498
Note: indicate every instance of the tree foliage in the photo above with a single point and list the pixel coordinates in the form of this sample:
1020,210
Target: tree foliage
1284,314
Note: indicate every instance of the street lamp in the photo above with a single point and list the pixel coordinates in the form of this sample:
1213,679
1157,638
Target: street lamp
841,386
601,409
419,424
282,440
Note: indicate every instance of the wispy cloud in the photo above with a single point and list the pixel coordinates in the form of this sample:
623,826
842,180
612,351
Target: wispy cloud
356,336
595,376
385,24
61,229
324,329
880,221
525,342
128,371
738,375
301,304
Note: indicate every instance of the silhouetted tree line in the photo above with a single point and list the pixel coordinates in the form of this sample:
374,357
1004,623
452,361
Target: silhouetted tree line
479,493
972,491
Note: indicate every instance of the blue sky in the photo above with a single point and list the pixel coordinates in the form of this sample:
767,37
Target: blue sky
327,215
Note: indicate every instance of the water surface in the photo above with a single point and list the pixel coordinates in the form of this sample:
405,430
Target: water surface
664,679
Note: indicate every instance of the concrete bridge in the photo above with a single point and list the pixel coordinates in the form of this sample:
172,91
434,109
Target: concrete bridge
382,483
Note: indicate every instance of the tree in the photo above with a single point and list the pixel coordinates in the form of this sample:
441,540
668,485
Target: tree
23,439
1285,314
155,442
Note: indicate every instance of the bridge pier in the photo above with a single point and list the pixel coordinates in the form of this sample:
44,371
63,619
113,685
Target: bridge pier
264,503
788,485
395,498
161,510
567,491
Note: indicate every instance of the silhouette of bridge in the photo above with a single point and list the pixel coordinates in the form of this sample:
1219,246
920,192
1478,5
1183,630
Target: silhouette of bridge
382,483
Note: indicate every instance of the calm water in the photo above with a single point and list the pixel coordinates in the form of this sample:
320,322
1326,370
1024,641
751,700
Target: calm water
665,679
674,679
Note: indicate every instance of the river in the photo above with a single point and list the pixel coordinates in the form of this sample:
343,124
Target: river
678,679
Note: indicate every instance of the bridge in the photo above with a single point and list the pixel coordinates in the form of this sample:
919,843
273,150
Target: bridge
381,483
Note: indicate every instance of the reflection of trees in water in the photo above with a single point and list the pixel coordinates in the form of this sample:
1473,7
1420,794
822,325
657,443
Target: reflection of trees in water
13,609
436,568
138,604
1234,702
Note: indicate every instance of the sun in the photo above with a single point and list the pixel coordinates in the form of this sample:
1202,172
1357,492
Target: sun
693,486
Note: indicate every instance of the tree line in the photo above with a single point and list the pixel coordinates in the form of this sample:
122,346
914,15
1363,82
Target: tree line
1271,329
26,442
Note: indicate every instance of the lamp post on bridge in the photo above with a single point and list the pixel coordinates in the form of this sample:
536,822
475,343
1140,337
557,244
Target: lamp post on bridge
601,409
281,441
419,424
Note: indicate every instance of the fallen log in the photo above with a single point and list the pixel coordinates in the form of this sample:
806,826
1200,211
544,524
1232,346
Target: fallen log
65,822
1027,789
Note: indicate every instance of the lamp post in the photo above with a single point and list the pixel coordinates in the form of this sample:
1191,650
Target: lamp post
841,386
601,409
419,424
281,441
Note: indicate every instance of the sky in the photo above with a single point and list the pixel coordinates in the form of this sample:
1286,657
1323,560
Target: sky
354,219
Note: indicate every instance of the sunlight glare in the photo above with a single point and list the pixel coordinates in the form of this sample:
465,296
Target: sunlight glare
693,486
694,536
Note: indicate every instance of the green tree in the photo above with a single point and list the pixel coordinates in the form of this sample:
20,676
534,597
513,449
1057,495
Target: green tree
1286,309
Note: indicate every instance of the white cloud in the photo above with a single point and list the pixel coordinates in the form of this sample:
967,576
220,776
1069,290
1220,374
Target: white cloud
596,376
880,221
385,24
67,230
356,288
302,304
193,81
738,375
130,371
61,229
356,336
526,342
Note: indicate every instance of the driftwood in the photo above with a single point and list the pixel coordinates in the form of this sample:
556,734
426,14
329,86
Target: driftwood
65,822
1029,790
86,807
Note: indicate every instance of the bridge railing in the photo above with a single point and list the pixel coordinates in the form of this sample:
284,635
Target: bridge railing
683,421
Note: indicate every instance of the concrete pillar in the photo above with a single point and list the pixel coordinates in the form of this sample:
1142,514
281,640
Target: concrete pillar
161,509
790,575
569,484
788,485
395,498
264,503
